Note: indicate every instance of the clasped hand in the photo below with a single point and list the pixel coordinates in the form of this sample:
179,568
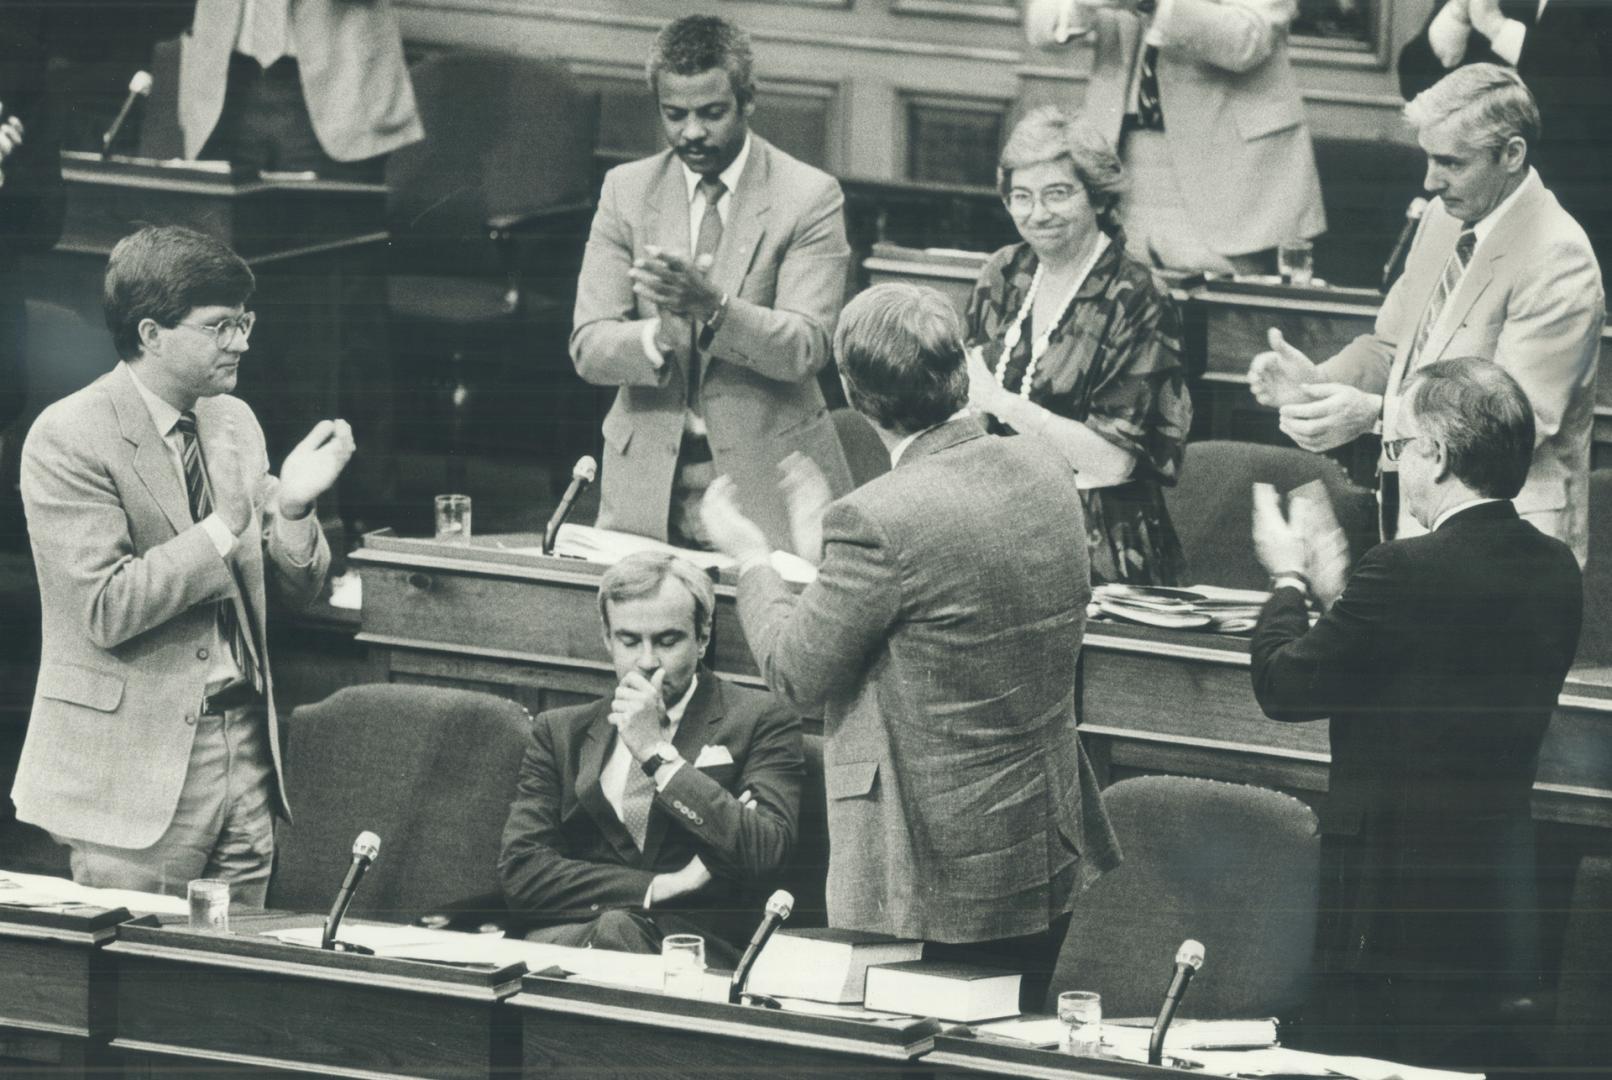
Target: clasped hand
676,284
638,712
1308,540
11,132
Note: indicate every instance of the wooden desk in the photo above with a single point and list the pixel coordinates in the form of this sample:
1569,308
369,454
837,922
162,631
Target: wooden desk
955,1057
56,1010
206,1006
571,1029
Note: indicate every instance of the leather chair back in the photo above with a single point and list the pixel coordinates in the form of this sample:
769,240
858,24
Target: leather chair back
430,770
1235,867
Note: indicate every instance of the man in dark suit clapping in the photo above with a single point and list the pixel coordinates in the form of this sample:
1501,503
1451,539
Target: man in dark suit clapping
1438,665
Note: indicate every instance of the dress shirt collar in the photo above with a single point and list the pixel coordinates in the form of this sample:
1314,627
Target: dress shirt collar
901,447
163,415
1457,508
674,713
1492,218
729,176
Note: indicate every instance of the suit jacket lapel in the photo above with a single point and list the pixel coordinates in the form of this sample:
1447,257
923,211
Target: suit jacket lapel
246,562
747,219
667,223
1423,272
596,746
153,462
702,715
1518,218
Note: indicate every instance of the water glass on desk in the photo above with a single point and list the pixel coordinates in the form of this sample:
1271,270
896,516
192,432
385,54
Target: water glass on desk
1295,261
453,519
1081,1014
209,905
684,958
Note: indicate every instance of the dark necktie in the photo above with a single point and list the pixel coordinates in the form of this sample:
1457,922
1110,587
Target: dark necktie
710,237
1149,110
201,505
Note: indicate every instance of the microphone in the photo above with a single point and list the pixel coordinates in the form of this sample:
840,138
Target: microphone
139,87
1413,216
1188,959
365,849
779,905
582,474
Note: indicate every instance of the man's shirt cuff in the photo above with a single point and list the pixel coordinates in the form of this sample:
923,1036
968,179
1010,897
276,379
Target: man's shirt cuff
652,353
1448,34
218,532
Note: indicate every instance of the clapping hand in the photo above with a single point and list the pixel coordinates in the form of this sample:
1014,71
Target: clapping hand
729,529
313,465
1328,415
807,495
234,482
984,392
676,283
1326,547
1277,376
11,131
1278,545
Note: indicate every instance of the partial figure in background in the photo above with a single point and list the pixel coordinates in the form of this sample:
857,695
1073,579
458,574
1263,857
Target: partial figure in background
939,644
1498,270
1439,663
1072,341
296,85
648,812
1200,99
712,279
32,198
1563,51
158,533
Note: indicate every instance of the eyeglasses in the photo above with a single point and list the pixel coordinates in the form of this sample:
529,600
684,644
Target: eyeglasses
224,330
1395,447
1057,198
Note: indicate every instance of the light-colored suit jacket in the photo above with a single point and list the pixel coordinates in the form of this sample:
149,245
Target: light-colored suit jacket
127,585
1532,302
1233,118
350,59
782,262
939,645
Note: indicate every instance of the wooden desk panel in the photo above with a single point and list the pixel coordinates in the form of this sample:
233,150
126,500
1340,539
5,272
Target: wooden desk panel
240,1005
576,1030
56,1008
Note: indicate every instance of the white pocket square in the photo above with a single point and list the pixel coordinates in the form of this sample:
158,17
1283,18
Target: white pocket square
711,756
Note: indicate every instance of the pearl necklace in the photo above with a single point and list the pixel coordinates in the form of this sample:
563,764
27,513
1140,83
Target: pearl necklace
1038,348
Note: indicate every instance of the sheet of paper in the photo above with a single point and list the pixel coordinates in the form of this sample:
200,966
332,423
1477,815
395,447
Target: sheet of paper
39,890
1277,1060
1035,1030
608,547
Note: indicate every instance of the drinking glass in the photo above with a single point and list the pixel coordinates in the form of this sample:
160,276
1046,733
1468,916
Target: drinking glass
1081,1014
1295,260
453,518
684,958
209,905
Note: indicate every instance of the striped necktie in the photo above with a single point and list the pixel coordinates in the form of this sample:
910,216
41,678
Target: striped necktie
201,505
706,243
1454,267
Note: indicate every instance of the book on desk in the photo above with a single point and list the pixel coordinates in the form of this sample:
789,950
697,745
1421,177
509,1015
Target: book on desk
825,964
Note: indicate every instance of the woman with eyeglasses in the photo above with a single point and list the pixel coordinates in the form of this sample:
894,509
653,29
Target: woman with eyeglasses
1073,342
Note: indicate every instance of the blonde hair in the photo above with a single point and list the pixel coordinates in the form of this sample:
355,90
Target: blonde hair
1491,104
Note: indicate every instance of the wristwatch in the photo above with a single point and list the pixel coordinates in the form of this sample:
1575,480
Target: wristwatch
663,754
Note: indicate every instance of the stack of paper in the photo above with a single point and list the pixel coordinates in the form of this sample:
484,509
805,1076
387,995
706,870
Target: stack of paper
1202,607
37,890
608,547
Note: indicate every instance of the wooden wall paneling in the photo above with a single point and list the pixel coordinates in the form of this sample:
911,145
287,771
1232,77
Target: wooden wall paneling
952,139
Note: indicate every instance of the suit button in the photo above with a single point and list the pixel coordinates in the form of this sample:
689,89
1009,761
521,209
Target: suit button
190,718
201,653
593,907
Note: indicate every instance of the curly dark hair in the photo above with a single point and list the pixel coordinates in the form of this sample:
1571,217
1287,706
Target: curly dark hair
695,44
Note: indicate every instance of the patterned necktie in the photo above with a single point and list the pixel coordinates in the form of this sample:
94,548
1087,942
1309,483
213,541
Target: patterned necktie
637,796
270,30
1454,267
201,505
1149,110
706,243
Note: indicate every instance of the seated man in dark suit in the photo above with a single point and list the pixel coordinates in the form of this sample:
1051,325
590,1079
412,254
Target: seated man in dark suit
1439,665
645,814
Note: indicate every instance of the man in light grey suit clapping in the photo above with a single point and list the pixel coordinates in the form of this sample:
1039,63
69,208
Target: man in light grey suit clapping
938,643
